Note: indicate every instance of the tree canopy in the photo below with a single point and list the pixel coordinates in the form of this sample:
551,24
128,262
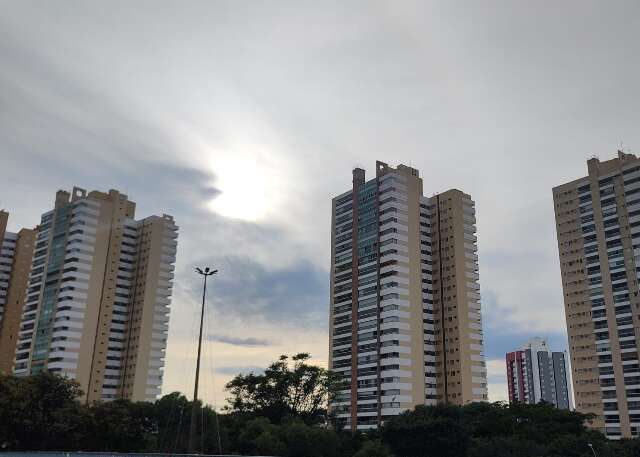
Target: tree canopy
42,413
495,430
287,388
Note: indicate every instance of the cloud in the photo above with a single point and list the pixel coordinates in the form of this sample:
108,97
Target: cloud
235,370
244,289
497,380
499,339
239,341
178,105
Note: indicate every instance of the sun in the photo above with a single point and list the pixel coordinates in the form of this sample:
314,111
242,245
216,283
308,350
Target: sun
245,186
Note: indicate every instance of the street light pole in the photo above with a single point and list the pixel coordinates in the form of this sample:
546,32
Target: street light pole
194,410
592,449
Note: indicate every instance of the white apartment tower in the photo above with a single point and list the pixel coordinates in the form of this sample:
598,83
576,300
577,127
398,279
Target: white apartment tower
97,303
405,324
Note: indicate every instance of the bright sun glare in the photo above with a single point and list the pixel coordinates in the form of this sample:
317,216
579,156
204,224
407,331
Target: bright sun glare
243,189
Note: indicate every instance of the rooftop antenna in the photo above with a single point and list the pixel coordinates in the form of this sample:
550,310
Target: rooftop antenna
622,149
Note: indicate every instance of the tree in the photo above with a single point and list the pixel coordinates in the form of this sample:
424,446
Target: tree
622,448
505,446
292,438
258,434
298,441
268,444
123,426
372,449
434,431
41,412
173,413
286,389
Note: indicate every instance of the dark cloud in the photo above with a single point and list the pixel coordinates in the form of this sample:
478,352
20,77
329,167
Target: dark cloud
501,337
253,292
209,193
239,341
78,134
497,344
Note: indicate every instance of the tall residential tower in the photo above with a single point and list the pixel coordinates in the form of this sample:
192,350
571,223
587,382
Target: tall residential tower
535,374
598,227
97,306
16,251
405,323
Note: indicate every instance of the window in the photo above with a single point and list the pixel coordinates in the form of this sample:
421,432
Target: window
626,320
625,333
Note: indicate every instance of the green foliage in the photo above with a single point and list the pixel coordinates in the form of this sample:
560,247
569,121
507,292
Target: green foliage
427,432
372,449
288,388
496,430
123,425
291,439
42,413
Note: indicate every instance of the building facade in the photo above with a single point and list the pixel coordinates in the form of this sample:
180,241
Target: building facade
16,251
97,303
405,323
535,374
598,228
461,372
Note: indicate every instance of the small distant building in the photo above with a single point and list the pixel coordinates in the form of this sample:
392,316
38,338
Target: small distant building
535,374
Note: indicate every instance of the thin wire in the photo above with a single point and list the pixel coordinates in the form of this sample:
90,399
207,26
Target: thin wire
209,358
183,362
207,353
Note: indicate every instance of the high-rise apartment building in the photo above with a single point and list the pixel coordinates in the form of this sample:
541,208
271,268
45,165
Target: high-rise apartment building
97,304
598,227
405,323
460,368
535,374
16,251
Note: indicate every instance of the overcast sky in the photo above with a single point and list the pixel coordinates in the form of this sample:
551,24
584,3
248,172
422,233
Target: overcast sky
243,119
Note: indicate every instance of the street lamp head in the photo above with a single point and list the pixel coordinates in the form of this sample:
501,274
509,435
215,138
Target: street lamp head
206,272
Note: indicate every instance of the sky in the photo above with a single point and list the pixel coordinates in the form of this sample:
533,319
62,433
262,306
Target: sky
244,119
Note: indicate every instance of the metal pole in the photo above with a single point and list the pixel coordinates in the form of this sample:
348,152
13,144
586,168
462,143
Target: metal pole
592,449
194,408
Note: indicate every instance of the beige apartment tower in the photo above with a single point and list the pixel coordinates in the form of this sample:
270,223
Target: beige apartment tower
97,305
461,377
16,251
405,322
598,228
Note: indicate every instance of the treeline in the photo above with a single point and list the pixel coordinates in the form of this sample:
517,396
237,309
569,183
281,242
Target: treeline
281,413
42,413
